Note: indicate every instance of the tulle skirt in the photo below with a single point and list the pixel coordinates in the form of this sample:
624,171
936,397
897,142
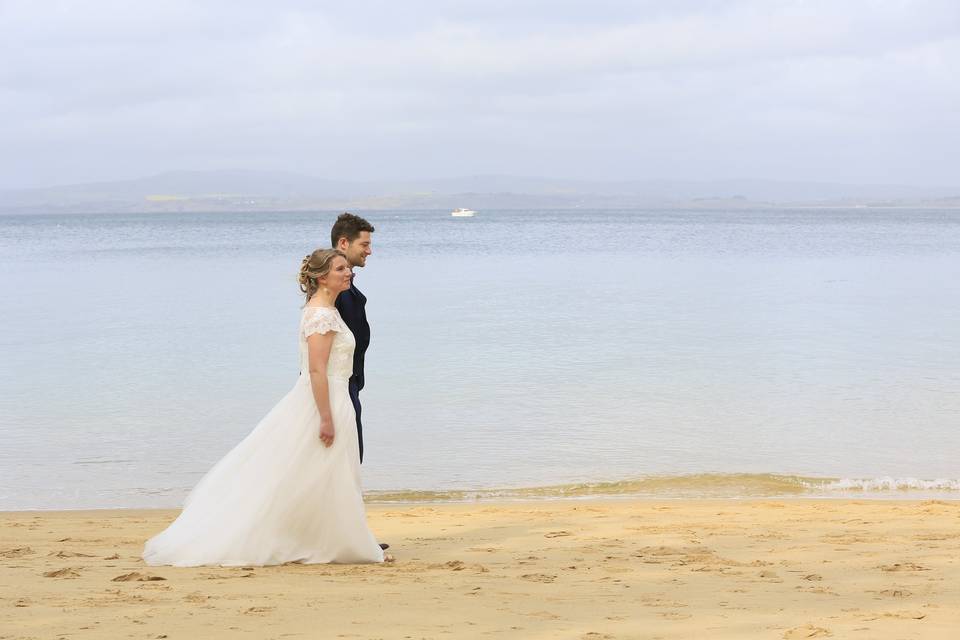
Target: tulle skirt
279,496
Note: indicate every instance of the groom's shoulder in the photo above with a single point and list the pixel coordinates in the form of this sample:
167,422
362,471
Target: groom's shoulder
350,300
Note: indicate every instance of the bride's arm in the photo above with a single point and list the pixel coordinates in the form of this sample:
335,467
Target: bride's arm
318,351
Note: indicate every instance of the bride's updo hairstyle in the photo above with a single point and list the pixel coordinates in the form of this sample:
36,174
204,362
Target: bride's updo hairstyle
315,266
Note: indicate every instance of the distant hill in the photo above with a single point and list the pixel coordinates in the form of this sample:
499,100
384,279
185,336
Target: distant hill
269,190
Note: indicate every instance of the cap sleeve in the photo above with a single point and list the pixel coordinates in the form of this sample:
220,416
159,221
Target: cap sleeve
321,320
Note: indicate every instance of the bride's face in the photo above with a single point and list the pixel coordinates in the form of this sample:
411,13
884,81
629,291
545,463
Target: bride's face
338,278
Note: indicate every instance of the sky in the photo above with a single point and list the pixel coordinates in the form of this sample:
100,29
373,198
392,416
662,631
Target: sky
853,91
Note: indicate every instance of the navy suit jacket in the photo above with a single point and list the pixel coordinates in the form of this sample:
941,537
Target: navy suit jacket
352,307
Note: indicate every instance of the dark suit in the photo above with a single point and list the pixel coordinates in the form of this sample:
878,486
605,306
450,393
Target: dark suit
351,305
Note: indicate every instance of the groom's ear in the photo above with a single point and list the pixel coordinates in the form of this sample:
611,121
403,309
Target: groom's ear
342,243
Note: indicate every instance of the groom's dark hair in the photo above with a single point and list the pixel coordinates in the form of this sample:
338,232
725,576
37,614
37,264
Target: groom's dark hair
348,226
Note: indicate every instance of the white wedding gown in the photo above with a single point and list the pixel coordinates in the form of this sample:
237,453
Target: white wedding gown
280,495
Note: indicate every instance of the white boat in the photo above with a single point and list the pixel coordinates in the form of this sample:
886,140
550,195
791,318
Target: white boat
462,213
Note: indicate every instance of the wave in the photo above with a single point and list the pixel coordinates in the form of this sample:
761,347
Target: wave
888,484
695,486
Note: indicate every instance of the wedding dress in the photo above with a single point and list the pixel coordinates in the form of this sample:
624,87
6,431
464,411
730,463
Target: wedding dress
280,495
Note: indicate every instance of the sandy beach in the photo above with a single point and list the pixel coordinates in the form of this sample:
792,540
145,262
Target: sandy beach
551,569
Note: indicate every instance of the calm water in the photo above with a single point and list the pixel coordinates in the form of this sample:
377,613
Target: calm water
648,350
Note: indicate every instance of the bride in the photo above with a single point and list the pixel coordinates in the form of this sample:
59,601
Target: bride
290,491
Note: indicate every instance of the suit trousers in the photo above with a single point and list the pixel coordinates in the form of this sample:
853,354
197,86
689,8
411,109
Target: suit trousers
355,397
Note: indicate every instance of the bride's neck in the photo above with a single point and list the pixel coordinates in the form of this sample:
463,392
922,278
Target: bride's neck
321,299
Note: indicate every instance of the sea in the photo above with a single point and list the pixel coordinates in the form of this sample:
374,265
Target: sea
515,355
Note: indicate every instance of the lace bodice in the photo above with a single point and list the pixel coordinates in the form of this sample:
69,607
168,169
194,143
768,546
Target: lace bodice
321,320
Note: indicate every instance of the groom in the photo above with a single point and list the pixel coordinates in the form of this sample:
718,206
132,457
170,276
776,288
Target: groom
351,235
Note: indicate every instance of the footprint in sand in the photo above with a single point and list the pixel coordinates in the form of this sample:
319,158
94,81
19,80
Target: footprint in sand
557,534
229,576
655,601
674,615
543,615
258,610
901,615
66,572
896,593
18,552
538,577
807,631
136,577
69,554
196,598
903,566
460,565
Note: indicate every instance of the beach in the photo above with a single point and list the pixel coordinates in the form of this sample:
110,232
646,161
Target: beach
597,568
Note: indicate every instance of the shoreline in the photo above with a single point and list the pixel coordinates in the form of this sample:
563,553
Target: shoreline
682,486
794,567
534,501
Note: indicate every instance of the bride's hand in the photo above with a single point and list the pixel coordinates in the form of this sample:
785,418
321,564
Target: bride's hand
326,432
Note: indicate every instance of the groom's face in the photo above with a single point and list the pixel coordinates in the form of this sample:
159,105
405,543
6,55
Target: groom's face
358,250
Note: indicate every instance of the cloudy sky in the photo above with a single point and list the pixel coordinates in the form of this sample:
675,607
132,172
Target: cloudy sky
835,90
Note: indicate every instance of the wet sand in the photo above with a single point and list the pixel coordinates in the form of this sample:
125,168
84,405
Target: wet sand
587,569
